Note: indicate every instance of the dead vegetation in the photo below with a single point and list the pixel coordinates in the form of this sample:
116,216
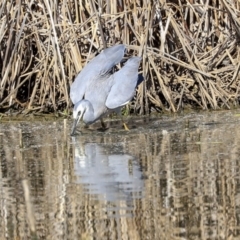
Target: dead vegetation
190,50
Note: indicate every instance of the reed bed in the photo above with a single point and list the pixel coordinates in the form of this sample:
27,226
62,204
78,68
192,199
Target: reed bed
190,51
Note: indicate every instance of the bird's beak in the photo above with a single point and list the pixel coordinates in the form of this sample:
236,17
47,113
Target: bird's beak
74,126
75,123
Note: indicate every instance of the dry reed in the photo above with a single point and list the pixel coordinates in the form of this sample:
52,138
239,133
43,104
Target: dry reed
190,49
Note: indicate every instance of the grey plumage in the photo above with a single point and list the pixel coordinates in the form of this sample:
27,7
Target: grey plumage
95,92
96,68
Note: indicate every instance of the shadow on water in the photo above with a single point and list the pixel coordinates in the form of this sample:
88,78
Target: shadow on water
171,178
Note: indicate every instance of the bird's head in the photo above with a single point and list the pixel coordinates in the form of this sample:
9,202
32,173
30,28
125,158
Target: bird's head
78,112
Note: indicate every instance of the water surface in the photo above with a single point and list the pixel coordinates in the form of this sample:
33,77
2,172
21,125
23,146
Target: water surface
174,177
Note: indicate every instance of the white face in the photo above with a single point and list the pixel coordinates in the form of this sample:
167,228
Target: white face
75,113
78,112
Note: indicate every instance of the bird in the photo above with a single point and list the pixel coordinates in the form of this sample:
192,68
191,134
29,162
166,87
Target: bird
96,92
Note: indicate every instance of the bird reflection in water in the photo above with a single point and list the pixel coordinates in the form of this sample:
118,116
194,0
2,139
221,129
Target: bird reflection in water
110,176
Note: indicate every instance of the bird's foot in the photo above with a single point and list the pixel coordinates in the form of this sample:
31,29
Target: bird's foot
125,126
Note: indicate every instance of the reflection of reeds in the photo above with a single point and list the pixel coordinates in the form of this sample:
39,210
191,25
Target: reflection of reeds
29,207
191,184
190,50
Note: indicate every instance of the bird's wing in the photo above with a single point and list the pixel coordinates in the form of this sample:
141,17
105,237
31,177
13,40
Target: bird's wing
124,85
97,67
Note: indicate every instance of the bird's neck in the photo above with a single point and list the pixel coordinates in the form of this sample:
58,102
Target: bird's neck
88,116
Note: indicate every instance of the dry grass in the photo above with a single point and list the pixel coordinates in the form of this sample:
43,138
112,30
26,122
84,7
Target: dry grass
190,49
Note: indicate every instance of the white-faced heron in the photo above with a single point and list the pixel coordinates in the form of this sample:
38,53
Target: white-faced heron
95,92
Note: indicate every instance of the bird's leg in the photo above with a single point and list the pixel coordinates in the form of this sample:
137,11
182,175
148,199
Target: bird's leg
125,126
118,111
103,124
